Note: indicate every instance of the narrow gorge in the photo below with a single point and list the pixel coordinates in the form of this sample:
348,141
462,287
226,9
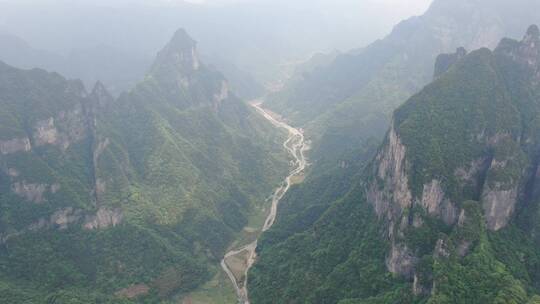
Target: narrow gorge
296,146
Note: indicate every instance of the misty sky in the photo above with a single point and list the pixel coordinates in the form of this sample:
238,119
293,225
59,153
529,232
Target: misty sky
403,7
251,34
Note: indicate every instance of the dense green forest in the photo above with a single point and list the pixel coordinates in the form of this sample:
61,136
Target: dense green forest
445,212
410,173
105,199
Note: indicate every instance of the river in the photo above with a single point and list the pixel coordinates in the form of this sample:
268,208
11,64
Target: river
296,146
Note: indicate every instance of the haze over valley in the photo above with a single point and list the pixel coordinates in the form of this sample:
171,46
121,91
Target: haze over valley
257,151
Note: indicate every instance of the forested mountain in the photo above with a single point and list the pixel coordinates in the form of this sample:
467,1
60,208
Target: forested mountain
447,210
406,171
110,200
345,103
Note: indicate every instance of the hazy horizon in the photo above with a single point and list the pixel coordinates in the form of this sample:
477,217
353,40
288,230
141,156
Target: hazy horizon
269,151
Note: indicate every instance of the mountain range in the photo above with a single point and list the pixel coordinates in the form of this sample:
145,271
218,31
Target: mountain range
346,103
447,209
422,183
106,199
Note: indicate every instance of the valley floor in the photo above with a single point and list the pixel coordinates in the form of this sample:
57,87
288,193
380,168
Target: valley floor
237,262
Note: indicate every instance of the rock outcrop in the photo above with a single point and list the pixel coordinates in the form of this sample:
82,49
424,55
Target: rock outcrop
64,217
178,57
499,205
390,193
30,192
15,145
446,61
407,192
178,69
434,202
104,218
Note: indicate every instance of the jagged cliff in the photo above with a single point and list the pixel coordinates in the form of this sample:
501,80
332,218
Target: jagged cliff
345,103
469,136
446,212
142,190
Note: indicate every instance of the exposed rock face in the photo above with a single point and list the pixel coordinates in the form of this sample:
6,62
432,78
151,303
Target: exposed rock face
500,158
15,145
67,128
446,61
101,186
469,174
180,55
178,71
223,93
499,198
195,59
33,192
401,260
133,292
499,205
390,195
55,188
529,51
526,52
30,192
432,196
434,202
12,172
417,288
463,248
62,218
101,96
102,145
63,129
441,249
394,195
45,133
104,218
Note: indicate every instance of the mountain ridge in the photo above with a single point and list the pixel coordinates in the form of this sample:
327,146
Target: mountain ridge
87,177
361,89
446,210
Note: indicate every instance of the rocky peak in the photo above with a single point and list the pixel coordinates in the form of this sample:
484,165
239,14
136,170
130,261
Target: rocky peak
530,45
533,34
530,48
407,192
526,52
178,70
182,41
445,61
179,56
100,95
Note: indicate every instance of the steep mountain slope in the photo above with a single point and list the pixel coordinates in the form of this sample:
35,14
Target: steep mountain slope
106,200
447,212
360,89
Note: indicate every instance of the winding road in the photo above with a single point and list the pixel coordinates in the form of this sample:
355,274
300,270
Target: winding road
296,147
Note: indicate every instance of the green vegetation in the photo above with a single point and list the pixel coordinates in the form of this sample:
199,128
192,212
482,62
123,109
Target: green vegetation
475,130
172,170
324,264
350,100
